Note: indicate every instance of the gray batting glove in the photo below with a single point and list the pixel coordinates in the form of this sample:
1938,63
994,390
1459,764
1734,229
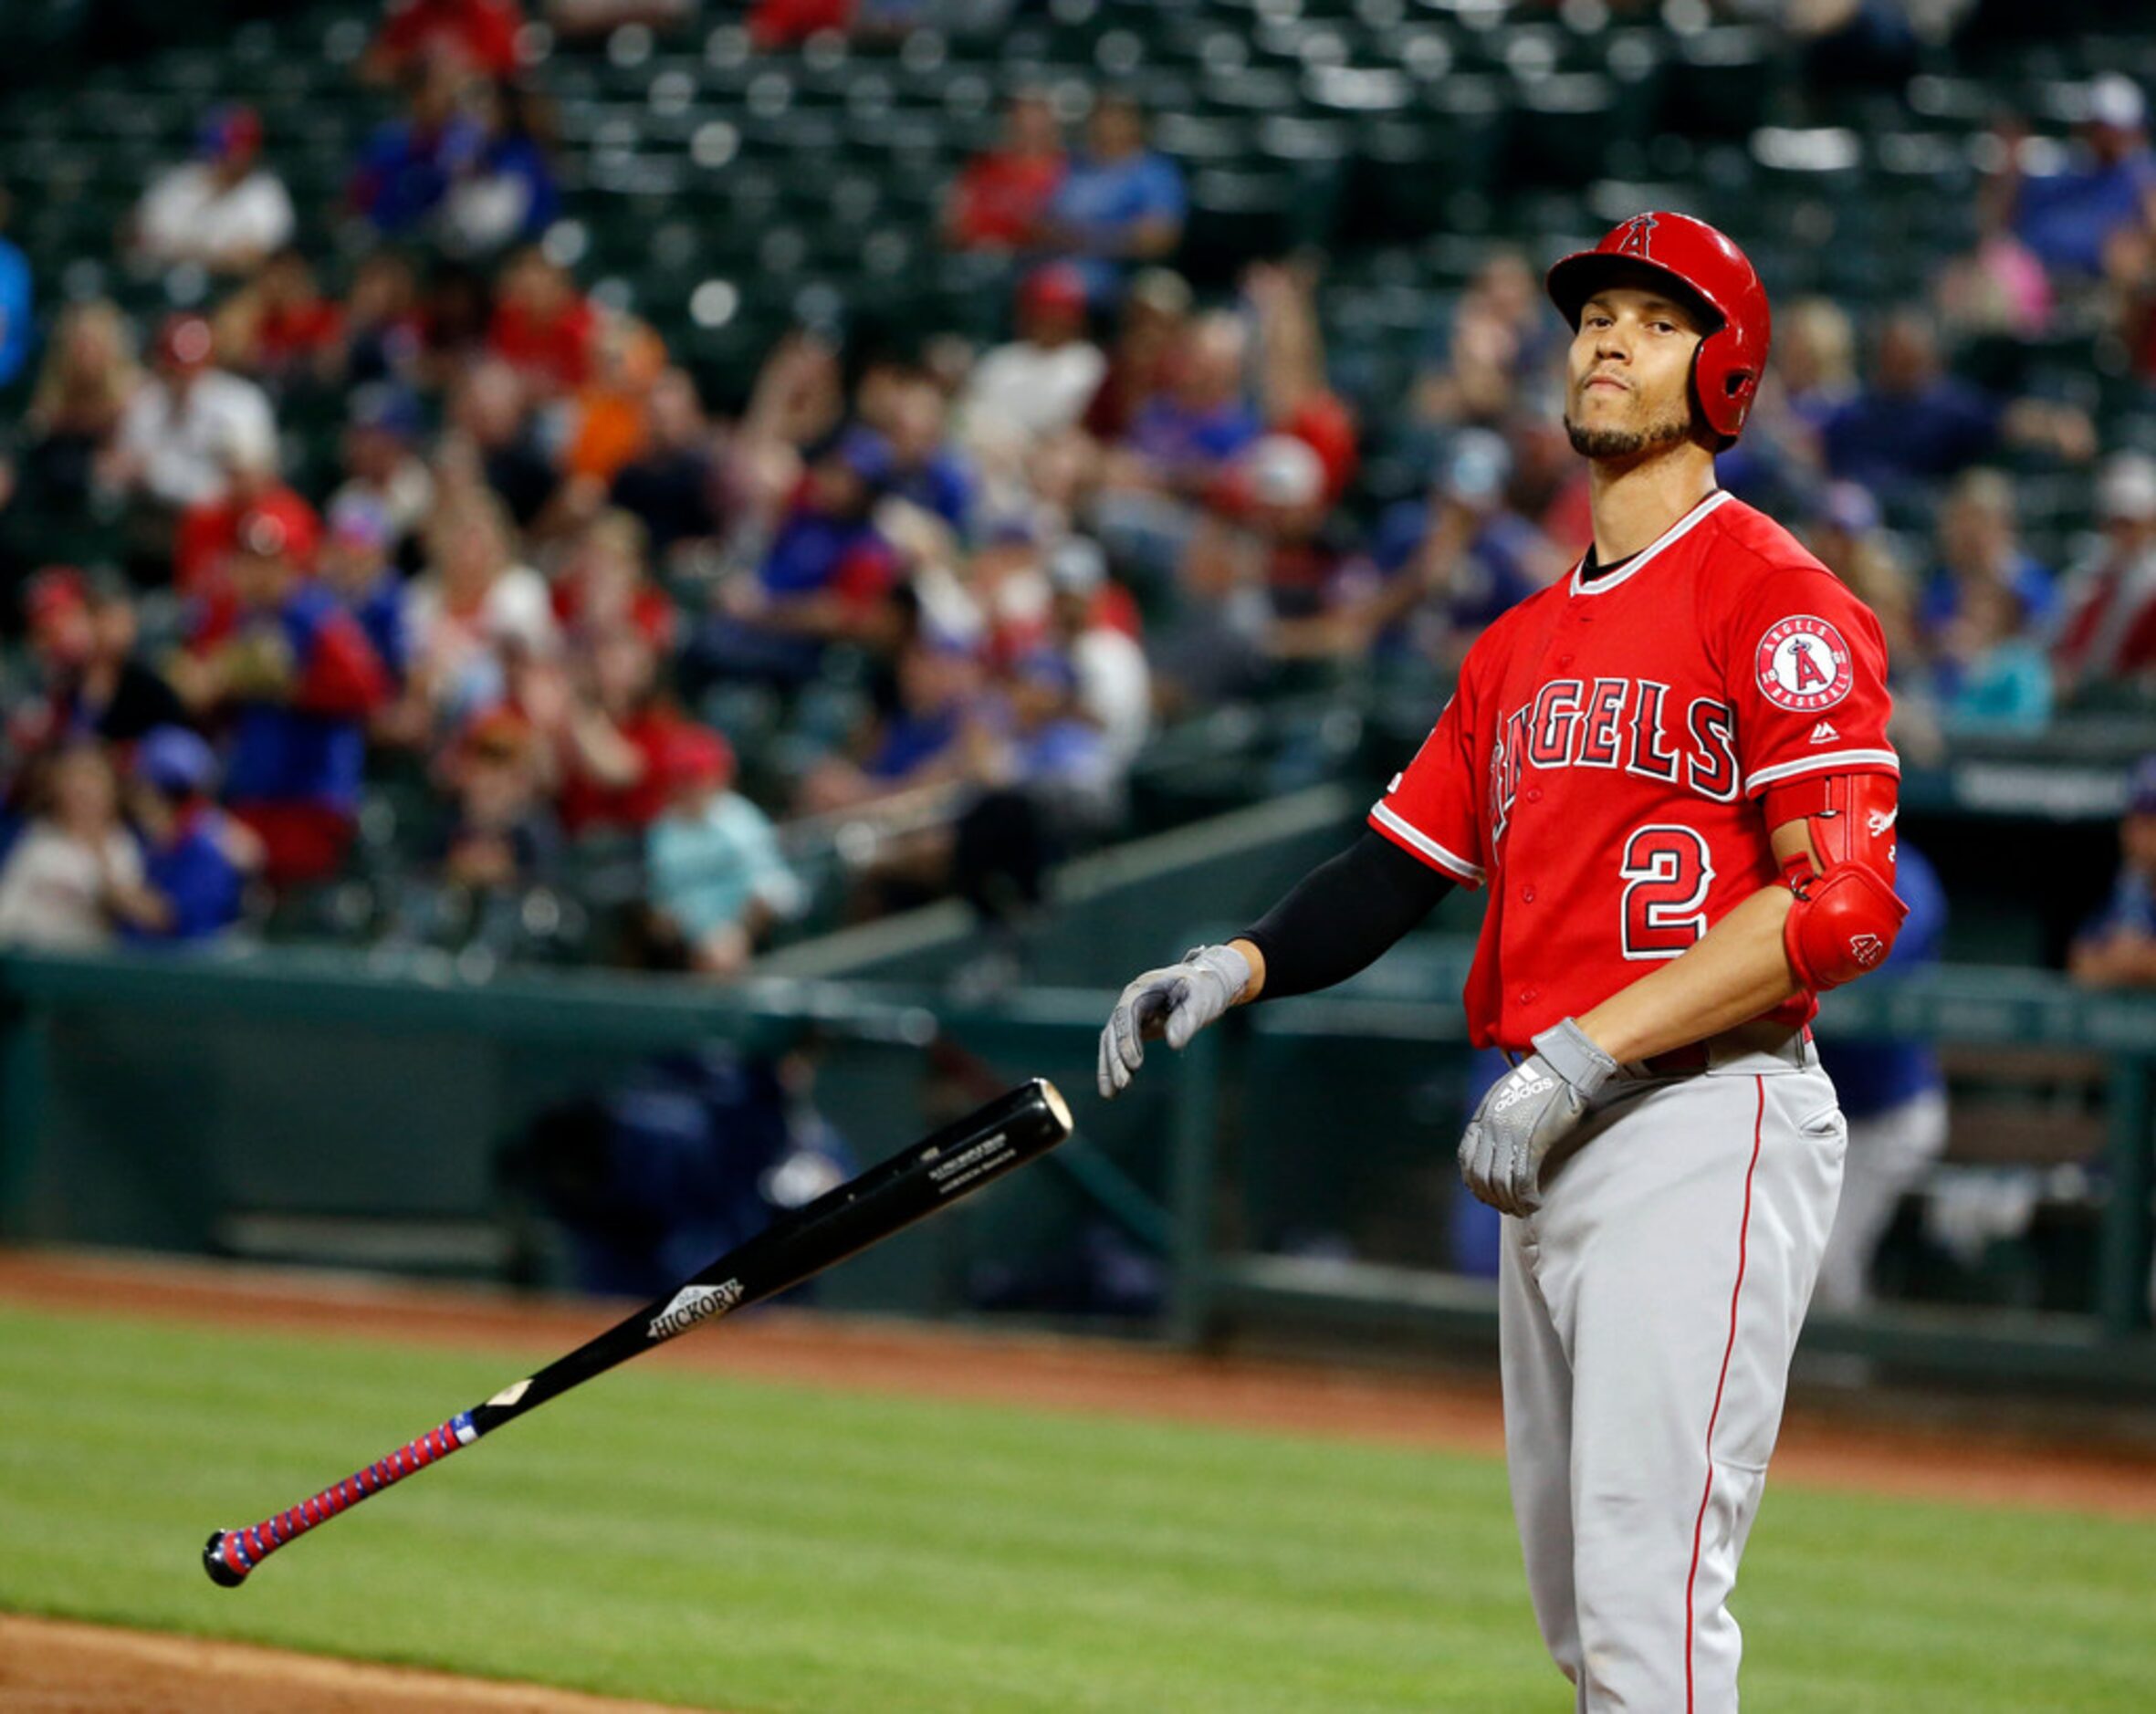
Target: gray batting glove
1525,1112
1177,1002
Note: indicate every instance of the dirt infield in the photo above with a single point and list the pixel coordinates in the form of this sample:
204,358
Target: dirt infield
50,1667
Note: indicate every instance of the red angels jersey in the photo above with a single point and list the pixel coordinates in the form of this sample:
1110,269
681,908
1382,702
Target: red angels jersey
1600,765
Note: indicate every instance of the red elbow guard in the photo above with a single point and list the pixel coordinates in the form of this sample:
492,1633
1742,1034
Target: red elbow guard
1842,925
1845,915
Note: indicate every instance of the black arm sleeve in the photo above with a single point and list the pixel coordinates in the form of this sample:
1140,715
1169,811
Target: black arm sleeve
1342,915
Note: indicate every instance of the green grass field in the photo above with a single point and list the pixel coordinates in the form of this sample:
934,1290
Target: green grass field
761,1548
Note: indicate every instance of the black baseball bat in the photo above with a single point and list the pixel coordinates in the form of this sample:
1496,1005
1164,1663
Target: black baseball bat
1014,1128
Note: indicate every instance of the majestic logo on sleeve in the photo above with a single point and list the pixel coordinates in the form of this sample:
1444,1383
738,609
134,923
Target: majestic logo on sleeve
1804,664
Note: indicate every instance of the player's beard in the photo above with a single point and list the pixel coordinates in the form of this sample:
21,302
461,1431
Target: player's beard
1627,442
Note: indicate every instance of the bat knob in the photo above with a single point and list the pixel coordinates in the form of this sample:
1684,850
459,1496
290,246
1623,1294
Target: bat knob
223,1572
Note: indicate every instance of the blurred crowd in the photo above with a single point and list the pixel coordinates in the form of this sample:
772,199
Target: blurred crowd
543,592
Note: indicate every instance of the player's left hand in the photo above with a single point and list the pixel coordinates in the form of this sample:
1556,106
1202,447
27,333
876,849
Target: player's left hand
1525,1112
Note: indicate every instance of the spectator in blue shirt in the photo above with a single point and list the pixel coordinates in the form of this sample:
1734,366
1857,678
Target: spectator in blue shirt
1913,424
17,333
2069,217
357,570
1894,1095
828,575
715,869
2117,947
196,859
1120,204
1463,555
507,193
1978,544
406,167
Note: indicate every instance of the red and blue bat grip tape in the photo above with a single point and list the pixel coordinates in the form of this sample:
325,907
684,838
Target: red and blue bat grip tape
231,1555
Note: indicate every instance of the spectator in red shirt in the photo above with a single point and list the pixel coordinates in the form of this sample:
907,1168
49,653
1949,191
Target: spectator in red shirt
774,24
1156,314
82,634
206,542
280,328
543,327
603,585
2109,631
481,33
612,737
997,201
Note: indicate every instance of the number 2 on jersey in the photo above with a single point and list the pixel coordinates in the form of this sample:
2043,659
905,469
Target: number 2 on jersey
1664,909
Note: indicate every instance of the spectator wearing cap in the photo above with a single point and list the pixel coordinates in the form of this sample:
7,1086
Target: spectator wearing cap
922,738
297,681
383,427
281,329
82,633
2116,948
1270,508
89,375
1120,205
206,538
223,209
187,427
197,861
2109,635
406,167
478,34
1038,383
543,328
1059,759
997,200
2069,217
18,331
718,876
827,577
75,874
674,487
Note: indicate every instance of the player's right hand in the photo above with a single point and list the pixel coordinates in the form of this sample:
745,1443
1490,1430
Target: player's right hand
1176,1001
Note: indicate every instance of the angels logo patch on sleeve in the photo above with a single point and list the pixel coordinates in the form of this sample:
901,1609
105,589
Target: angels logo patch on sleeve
1804,664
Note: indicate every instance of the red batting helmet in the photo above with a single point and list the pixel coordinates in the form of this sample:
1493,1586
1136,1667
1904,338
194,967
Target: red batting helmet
1729,361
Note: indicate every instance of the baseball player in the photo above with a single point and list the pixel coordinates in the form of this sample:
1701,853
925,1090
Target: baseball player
1670,775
